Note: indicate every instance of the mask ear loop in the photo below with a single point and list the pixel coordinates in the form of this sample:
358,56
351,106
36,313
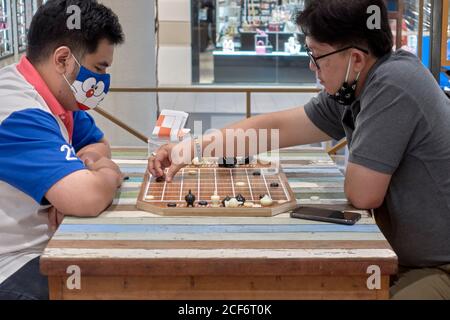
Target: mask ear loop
348,71
76,60
74,90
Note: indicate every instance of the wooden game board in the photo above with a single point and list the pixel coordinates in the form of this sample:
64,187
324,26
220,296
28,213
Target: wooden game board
155,196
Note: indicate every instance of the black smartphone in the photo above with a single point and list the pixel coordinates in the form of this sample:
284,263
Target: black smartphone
326,215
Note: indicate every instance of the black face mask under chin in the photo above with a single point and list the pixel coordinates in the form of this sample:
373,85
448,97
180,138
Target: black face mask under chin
346,95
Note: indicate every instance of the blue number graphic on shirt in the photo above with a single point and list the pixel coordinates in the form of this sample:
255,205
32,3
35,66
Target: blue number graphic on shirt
70,153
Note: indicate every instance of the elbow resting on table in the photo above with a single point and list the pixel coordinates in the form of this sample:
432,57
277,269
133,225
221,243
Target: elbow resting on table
83,194
365,202
86,205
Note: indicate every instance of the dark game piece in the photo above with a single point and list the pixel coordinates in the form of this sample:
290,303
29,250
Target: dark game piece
172,205
203,203
257,173
248,160
274,185
227,162
160,179
190,199
227,198
126,178
240,198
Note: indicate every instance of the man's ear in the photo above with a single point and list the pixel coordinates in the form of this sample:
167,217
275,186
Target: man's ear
360,60
63,60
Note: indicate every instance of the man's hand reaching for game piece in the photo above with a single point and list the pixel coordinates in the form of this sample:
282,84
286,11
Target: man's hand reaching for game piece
162,159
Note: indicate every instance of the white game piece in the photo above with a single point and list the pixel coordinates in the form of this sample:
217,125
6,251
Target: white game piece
240,184
192,172
248,204
215,200
257,205
315,198
266,201
232,203
196,162
149,197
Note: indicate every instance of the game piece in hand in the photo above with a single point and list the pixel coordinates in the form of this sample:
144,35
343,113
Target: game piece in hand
190,199
160,179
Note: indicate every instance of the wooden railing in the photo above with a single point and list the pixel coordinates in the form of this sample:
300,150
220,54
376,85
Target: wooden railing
248,91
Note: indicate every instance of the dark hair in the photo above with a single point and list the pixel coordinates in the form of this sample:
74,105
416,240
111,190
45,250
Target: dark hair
344,22
49,28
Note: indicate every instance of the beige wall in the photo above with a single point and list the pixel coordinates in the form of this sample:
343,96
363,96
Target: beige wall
175,66
134,66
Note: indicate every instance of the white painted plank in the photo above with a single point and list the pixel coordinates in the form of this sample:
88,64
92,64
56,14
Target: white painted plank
71,253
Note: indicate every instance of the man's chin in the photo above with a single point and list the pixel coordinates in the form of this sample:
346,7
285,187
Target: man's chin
329,91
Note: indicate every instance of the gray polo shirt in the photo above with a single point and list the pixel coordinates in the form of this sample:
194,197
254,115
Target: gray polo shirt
400,125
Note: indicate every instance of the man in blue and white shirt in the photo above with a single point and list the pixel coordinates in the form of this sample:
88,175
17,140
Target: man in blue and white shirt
54,161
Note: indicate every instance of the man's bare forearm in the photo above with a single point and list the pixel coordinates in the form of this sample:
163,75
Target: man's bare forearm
293,126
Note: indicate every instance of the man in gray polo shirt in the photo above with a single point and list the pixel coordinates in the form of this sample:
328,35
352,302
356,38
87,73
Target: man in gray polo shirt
397,123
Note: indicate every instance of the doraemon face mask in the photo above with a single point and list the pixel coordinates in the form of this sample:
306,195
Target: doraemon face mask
89,88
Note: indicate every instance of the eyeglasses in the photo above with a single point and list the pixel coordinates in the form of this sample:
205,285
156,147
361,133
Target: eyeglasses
315,59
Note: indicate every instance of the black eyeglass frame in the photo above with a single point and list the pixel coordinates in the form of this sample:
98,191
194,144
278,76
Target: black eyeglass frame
315,59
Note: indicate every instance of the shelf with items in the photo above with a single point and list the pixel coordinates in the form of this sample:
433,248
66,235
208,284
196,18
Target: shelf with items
279,25
257,13
228,20
21,25
6,44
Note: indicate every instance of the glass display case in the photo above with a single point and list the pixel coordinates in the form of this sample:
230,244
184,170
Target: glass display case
21,25
255,41
6,44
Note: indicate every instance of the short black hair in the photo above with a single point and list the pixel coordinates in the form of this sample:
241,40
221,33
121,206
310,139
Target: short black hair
49,28
344,22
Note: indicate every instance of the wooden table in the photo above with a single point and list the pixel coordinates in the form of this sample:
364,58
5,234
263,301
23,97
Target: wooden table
130,254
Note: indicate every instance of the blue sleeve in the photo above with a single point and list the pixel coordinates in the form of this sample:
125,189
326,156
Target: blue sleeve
33,153
85,131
